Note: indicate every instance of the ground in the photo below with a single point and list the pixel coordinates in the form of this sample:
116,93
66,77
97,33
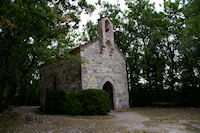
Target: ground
138,120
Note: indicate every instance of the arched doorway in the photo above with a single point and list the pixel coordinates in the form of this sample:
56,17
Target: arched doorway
108,87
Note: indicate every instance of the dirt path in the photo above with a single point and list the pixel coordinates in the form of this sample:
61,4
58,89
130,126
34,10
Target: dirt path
131,120
139,120
26,109
136,122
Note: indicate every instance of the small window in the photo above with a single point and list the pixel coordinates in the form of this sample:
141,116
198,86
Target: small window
107,26
108,43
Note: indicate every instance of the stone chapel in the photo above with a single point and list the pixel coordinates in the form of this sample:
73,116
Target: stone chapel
104,68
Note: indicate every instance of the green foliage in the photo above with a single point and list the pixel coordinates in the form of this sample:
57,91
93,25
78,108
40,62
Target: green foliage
28,97
55,102
191,56
88,102
189,97
91,30
85,102
29,31
95,101
74,104
162,49
139,97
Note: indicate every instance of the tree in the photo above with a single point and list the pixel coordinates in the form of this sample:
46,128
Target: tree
138,33
174,19
161,49
31,33
190,80
90,31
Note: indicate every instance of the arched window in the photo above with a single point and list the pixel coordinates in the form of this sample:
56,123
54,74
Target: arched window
107,25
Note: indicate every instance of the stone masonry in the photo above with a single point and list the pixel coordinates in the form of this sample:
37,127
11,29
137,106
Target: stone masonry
103,63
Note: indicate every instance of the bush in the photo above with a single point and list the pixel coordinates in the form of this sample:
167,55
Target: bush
85,102
189,96
55,102
73,103
95,101
88,102
139,97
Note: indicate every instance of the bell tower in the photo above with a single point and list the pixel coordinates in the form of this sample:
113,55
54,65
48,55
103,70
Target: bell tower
106,34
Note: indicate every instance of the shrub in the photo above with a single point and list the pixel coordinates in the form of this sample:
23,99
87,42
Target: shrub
95,101
88,102
139,97
73,103
188,96
55,102
85,102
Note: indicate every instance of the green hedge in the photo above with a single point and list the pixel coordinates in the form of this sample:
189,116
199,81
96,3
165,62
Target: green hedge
73,103
85,102
95,101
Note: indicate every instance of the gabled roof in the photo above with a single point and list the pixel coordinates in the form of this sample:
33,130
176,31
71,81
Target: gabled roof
76,49
72,50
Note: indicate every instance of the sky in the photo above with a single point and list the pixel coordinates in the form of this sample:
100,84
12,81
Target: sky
94,16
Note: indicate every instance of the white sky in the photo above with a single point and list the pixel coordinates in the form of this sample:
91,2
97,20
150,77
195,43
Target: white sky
94,17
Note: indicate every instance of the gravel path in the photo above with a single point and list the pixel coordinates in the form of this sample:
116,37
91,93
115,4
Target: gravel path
135,122
131,121
26,109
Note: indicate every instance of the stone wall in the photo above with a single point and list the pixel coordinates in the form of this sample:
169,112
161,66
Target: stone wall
63,75
102,66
